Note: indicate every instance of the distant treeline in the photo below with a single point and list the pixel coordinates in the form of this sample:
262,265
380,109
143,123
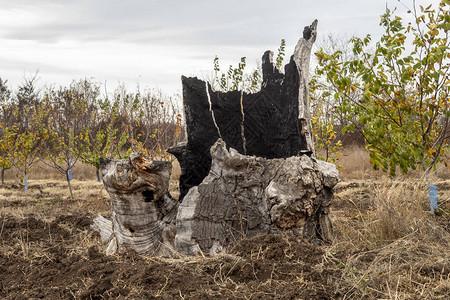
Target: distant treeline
77,123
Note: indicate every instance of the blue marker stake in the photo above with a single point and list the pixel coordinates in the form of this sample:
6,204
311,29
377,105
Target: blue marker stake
26,184
432,194
70,172
98,176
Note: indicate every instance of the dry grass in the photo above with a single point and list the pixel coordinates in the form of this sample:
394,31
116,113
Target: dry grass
389,210
41,172
47,198
47,204
355,164
388,243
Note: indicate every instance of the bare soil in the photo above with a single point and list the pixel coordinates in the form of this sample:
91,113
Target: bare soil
48,250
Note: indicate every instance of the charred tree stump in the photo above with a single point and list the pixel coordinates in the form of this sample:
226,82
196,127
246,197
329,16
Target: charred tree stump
247,167
246,195
143,212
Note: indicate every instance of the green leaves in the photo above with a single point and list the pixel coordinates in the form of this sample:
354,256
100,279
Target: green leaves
7,146
402,104
281,54
237,79
325,137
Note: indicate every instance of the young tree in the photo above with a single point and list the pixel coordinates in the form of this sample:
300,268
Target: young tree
404,83
7,141
323,120
235,78
7,130
28,141
31,117
65,131
150,120
160,123
104,136
326,118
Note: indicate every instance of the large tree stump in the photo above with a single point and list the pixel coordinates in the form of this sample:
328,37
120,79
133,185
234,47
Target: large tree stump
246,195
143,212
266,181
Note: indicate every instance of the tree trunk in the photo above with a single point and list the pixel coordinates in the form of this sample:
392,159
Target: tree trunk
248,195
25,181
68,183
143,212
97,173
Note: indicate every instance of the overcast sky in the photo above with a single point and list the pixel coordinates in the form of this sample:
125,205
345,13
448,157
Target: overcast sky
153,42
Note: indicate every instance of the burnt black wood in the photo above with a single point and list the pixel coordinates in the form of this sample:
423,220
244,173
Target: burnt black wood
271,126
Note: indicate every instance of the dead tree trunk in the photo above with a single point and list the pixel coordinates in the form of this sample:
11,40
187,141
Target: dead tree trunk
302,56
143,212
246,195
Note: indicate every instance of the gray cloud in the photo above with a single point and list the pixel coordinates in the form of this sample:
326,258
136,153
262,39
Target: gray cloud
163,39
175,22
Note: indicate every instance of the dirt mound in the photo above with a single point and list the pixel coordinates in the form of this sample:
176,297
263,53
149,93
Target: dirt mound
31,230
80,222
14,203
278,247
266,266
227,277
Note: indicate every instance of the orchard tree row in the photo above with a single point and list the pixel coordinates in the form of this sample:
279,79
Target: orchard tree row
63,126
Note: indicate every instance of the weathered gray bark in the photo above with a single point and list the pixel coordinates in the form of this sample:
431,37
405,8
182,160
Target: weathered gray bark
247,195
302,55
143,212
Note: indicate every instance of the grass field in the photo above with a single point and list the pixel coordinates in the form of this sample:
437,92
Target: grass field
387,245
